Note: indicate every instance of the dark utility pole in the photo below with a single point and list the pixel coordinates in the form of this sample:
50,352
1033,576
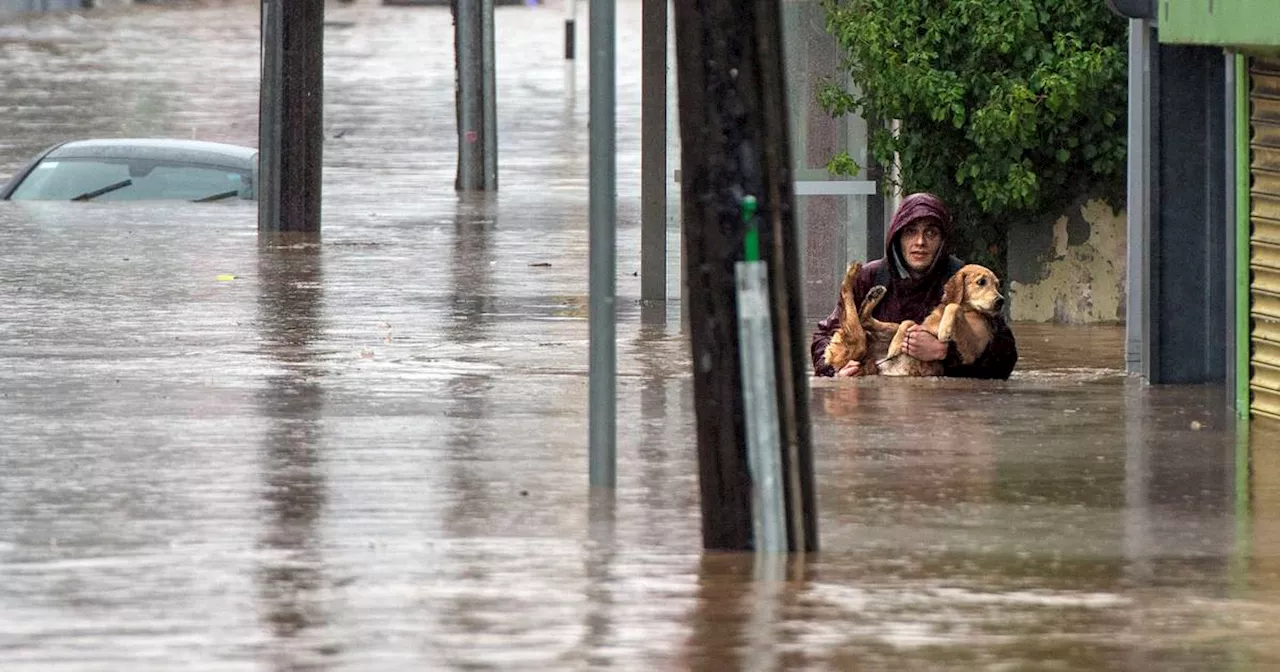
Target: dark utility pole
653,151
475,95
290,120
737,205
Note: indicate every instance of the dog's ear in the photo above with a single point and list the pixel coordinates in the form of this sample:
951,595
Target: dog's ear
954,290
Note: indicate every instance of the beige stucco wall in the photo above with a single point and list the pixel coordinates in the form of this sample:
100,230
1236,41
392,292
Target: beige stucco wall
1067,277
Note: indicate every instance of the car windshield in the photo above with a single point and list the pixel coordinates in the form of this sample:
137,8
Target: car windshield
131,180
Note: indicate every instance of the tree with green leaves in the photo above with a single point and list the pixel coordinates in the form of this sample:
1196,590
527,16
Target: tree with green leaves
1008,109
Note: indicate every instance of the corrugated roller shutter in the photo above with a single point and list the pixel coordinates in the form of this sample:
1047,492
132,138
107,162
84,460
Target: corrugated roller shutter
1264,256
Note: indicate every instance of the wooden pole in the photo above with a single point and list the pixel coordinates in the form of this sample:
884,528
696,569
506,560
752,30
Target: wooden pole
290,119
733,121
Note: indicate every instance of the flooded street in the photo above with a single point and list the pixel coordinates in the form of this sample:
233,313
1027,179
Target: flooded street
371,453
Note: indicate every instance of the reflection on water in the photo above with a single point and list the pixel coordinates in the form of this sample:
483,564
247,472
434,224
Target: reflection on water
292,581
601,579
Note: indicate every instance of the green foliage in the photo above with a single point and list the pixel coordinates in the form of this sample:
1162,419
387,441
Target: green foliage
1008,108
844,165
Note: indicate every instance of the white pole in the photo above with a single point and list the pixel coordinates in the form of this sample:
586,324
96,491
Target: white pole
760,406
570,43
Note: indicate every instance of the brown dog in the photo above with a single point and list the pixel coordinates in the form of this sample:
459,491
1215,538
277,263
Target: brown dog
970,301
860,338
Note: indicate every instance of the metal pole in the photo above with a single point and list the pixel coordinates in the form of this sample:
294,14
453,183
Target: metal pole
1136,334
760,406
602,377
653,152
570,45
468,27
290,116
1228,177
490,100
570,36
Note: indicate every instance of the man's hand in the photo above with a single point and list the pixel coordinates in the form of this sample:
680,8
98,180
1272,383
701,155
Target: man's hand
923,345
850,370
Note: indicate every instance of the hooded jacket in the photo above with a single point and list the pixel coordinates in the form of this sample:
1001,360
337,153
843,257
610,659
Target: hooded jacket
913,298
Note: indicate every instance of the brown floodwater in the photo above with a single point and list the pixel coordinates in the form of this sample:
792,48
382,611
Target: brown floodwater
369,453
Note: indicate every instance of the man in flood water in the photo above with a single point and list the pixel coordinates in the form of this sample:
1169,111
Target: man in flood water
916,265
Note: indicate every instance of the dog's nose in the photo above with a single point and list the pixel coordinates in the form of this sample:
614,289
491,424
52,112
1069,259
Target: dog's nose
999,303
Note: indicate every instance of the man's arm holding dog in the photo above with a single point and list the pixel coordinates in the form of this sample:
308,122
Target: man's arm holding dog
924,346
996,362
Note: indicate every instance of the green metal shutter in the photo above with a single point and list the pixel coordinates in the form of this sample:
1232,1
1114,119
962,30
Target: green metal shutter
1264,253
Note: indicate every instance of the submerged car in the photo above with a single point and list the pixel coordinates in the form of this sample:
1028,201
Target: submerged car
137,169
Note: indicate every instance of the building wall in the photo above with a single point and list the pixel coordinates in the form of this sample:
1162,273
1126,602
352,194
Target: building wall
1070,270
834,227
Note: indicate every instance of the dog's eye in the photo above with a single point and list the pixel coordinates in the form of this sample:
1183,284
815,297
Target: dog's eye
982,282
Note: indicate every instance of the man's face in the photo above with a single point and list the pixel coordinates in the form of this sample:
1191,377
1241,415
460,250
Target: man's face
919,243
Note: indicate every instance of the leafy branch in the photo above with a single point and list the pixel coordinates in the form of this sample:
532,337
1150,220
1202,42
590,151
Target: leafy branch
1008,110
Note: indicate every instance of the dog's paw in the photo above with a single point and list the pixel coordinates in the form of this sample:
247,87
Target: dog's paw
830,354
947,325
875,293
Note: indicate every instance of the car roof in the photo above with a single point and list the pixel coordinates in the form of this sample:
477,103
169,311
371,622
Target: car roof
194,151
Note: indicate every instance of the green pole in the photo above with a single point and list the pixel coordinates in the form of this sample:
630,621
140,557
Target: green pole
1243,209
751,243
